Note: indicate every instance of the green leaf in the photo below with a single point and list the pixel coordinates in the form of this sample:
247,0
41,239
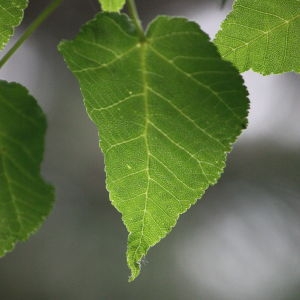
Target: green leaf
11,15
25,199
262,35
112,5
167,109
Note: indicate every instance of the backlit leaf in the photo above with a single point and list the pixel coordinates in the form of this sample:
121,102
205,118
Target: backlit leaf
11,15
112,5
262,35
167,109
25,199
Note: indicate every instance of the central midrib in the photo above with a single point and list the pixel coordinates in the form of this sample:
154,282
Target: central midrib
143,47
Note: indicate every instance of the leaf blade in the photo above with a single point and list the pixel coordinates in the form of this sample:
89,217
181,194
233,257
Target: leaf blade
11,15
25,199
262,35
150,130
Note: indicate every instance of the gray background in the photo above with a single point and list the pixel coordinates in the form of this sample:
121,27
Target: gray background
241,241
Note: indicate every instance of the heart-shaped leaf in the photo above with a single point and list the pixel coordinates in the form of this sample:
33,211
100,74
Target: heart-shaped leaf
167,108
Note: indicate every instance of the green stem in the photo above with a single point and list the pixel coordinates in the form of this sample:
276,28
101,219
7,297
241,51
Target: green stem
31,28
135,18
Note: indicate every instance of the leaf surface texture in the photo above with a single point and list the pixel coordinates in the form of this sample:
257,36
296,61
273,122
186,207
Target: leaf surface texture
11,15
167,111
25,199
262,35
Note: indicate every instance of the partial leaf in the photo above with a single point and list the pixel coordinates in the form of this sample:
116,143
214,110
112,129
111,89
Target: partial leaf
112,5
11,15
25,199
167,111
262,35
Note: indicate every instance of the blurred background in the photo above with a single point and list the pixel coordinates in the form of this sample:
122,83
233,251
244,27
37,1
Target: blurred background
241,241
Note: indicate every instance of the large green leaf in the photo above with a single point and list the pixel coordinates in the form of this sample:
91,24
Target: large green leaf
112,5
167,109
262,35
25,199
11,15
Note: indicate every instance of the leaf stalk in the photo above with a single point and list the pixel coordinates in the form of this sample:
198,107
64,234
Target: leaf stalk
132,10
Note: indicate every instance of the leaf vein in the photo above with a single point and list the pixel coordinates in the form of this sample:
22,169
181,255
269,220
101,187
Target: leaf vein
186,116
117,103
197,82
181,148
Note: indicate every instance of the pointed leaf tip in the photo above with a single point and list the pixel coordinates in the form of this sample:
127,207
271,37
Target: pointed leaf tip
167,110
